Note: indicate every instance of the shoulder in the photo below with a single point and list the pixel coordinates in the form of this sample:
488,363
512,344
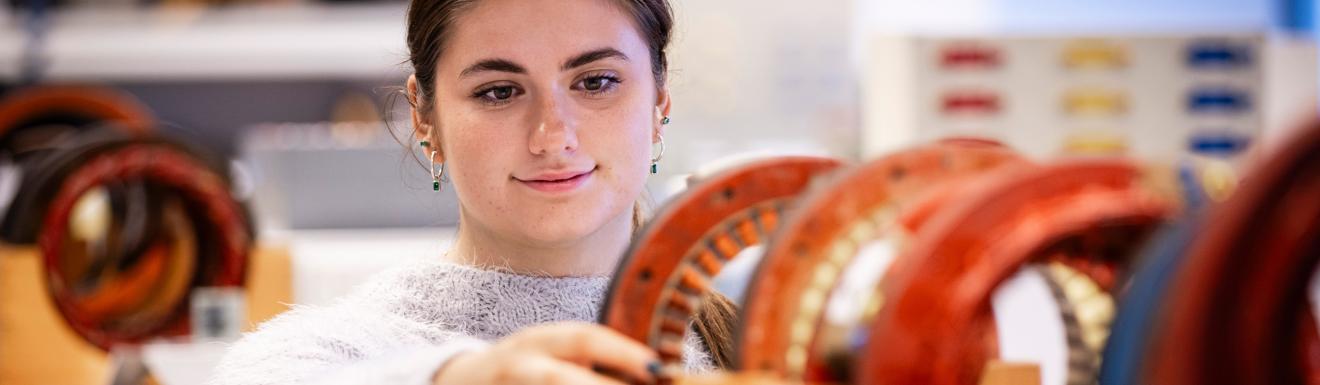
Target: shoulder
368,313
344,331
308,338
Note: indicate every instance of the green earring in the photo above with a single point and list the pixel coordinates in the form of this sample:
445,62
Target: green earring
655,162
426,143
436,178
665,120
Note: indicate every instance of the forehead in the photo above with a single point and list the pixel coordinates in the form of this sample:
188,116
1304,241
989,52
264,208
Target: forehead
540,32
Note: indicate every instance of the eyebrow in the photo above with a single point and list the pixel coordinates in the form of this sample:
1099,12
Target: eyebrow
500,65
593,56
505,65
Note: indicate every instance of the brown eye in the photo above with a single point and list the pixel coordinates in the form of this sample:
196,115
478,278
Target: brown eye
594,84
597,84
500,93
497,95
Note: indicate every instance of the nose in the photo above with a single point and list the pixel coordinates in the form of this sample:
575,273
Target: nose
556,128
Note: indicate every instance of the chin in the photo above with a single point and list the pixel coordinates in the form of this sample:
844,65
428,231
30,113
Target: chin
557,227
567,225
562,234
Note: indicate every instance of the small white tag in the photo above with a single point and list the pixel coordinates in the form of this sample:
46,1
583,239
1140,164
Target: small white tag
218,313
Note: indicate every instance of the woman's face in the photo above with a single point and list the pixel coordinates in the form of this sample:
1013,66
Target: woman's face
546,110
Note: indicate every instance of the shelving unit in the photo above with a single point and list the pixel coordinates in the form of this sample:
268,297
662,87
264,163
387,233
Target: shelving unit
215,44
1153,96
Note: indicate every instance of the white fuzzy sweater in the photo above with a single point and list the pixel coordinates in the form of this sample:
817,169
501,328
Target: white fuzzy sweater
404,323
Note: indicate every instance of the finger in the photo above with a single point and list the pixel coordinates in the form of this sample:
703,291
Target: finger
621,376
599,346
539,369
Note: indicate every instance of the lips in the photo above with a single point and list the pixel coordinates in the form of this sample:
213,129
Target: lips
558,181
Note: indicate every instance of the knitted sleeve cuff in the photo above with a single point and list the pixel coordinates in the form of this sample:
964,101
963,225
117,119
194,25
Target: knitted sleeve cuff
412,366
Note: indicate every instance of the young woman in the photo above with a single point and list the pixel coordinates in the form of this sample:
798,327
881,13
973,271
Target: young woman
543,114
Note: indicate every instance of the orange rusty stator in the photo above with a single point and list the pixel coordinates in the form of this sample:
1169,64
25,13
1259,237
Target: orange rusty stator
117,229
958,218
782,315
128,224
936,325
670,263
202,238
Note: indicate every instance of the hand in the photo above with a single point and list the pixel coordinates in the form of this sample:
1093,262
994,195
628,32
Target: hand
562,353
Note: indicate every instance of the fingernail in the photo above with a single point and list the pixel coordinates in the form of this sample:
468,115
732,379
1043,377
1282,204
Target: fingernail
654,368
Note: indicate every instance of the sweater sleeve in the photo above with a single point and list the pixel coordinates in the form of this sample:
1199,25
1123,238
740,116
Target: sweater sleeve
696,354
323,346
412,366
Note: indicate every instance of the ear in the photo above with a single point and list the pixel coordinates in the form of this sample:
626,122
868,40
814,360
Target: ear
421,129
662,106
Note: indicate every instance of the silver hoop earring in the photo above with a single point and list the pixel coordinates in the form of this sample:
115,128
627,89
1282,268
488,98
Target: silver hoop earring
655,162
437,178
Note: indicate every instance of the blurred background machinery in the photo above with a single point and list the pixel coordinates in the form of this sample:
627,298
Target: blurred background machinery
114,237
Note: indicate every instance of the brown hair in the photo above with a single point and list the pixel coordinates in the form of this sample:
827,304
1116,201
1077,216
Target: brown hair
429,22
714,321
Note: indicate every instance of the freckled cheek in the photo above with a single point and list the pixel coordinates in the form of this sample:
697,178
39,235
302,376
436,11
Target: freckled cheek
622,139
621,145
482,158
